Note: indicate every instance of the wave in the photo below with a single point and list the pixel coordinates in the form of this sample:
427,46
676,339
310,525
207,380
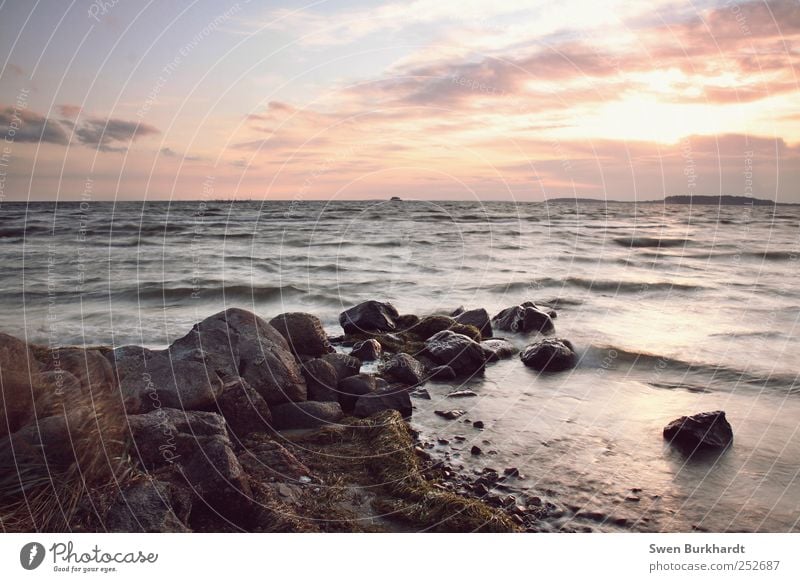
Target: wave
663,370
646,242
602,285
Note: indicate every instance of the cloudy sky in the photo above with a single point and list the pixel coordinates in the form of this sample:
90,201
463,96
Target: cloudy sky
435,99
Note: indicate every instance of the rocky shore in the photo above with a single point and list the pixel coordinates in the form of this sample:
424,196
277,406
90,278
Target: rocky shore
246,424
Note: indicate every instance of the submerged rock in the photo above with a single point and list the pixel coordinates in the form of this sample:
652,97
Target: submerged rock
303,332
309,414
478,318
524,318
549,355
395,397
703,430
450,414
404,368
498,349
367,350
464,355
370,316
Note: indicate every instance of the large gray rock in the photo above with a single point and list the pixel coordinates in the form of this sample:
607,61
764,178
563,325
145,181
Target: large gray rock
524,318
370,316
149,507
190,374
309,414
478,318
89,366
404,368
498,349
244,410
321,380
464,355
394,397
704,430
303,332
549,355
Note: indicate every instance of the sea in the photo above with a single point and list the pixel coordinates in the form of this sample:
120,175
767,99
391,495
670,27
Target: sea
673,310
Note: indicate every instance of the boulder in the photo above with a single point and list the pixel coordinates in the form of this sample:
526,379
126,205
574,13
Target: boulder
303,332
190,374
344,365
237,343
18,367
549,355
498,349
321,380
167,436
464,355
524,318
404,368
704,430
442,373
433,324
149,506
244,410
478,318
370,316
151,379
45,443
395,397
354,386
367,351
309,414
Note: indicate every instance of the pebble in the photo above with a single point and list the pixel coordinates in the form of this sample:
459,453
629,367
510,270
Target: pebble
421,393
304,479
450,414
511,471
460,438
443,441
633,498
476,450
462,394
478,424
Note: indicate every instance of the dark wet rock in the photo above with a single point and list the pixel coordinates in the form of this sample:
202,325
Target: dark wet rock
303,332
478,318
321,380
511,471
243,408
524,318
476,450
391,398
406,322
294,415
191,373
461,394
478,424
450,414
442,373
344,365
367,350
351,388
498,349
457,311
370,316
464,355
149,506
404,368
549,355
704,430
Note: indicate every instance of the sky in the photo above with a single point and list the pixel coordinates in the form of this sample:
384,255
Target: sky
428,99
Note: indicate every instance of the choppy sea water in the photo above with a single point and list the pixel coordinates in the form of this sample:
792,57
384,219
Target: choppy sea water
673,309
